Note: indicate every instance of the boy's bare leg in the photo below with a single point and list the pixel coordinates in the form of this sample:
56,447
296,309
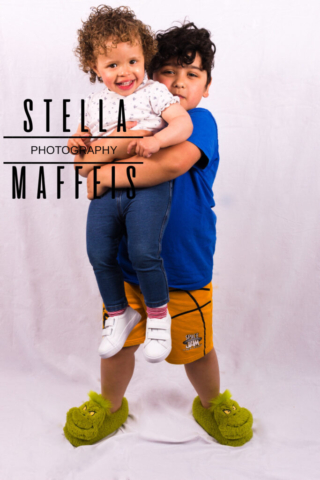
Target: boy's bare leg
204,376
116,373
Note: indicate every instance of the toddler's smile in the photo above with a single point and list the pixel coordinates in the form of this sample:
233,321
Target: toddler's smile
122,67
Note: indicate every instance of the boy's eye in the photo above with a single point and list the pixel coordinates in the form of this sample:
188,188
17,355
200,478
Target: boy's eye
113,65
133,62
168,71
192,75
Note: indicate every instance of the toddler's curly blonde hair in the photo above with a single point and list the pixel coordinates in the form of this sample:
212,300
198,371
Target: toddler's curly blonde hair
118,24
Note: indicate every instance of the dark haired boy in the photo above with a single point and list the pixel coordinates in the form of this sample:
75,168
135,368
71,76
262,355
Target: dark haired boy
183,63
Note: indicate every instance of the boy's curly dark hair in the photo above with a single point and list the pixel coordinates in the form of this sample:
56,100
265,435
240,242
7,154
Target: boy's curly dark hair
183,43
121,25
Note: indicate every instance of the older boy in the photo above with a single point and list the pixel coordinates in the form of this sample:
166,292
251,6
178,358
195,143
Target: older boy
183,63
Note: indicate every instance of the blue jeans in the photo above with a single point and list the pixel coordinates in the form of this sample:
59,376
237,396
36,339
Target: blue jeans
143,220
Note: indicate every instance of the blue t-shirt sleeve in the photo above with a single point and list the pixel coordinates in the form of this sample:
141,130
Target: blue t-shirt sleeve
204,135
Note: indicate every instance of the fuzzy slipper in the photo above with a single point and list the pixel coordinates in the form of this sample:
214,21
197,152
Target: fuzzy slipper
93,421
225,421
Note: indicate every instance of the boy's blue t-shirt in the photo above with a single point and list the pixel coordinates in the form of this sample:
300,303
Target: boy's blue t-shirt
189,240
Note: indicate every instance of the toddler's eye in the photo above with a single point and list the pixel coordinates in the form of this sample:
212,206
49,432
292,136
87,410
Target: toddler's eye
133,62
112,65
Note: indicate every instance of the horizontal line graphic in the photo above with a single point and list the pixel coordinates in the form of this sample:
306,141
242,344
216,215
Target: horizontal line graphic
72,137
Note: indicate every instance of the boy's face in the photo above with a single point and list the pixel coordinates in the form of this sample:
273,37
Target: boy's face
187,82
121,68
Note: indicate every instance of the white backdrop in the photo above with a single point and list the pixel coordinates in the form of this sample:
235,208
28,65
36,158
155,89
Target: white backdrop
265,97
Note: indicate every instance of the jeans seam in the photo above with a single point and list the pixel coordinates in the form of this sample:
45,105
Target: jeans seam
119,203
161,234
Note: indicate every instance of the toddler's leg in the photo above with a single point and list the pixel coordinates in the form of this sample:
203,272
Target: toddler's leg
105,228
146,218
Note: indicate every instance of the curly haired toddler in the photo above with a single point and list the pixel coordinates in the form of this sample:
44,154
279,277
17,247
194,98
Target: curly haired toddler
116,48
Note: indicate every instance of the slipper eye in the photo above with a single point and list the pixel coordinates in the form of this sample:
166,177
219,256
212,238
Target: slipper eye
84,408
233,407
92,413
226,411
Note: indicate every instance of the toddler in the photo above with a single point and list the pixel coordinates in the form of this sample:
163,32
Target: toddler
116,47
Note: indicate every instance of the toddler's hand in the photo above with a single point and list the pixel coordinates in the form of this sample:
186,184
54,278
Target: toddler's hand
79,145
145,147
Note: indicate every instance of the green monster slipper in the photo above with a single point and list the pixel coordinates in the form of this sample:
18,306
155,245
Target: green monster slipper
93,421
225,421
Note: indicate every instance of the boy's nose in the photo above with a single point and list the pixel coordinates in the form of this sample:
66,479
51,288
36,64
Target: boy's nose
179,83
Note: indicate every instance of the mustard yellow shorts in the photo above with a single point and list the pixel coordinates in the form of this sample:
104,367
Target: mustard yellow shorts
191,327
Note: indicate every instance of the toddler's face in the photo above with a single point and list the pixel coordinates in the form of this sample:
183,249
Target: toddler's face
187,82
121,68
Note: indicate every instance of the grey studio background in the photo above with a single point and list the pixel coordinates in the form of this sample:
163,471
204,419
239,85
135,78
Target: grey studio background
265,96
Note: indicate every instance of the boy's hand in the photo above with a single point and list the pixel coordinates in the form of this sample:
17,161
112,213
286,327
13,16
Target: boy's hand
145,147
100,189
79,145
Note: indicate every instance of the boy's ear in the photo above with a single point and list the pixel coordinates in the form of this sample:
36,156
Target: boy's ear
206,92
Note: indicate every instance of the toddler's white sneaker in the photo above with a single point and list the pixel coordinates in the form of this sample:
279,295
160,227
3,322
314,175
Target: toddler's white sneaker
116,331
157,344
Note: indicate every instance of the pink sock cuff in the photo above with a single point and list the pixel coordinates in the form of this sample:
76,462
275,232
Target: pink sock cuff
159,312
118,312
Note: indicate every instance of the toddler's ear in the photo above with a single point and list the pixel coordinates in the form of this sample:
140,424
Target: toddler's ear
206,92
94,68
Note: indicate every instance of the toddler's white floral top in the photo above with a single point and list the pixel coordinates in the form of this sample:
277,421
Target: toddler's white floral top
144,106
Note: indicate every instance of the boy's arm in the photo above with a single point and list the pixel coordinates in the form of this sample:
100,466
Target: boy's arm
101,153
103,150
167,164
